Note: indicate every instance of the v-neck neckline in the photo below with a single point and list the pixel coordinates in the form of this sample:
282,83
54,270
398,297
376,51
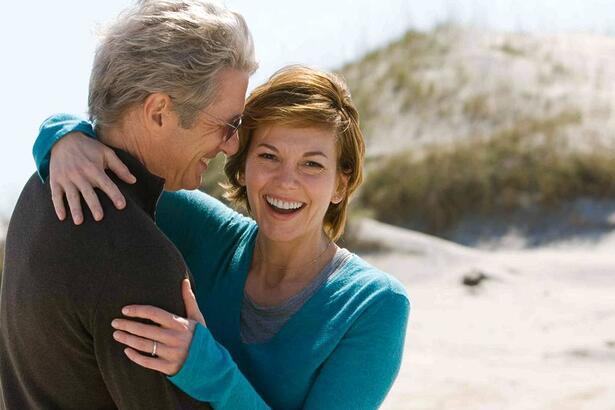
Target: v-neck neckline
241,263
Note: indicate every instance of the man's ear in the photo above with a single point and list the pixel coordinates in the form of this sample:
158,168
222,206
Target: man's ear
340,191
156,110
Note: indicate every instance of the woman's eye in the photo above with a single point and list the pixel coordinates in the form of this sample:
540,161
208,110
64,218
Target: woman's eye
266,155
313,164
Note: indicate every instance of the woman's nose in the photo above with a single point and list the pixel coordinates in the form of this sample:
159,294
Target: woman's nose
285,176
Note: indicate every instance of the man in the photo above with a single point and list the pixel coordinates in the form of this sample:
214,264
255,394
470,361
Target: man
166,91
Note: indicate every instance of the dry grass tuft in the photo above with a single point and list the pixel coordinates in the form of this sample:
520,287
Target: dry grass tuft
523,165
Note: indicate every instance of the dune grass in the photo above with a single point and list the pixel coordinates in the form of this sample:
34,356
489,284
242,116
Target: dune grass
508,48
392,71
523,165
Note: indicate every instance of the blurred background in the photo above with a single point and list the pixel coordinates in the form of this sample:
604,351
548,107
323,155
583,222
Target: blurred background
490,177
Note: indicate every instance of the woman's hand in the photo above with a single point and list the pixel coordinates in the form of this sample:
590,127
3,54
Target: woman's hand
77,166
171,339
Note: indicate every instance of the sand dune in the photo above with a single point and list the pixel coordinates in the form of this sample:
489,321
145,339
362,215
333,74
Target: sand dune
455,83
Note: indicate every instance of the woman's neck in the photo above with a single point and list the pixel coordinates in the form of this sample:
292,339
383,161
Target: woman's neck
291,262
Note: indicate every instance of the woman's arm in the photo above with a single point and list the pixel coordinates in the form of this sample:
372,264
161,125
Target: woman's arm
361,370
76,165
51,131
357,375
211,375
200,226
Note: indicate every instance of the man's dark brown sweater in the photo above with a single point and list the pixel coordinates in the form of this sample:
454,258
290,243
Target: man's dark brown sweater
63,284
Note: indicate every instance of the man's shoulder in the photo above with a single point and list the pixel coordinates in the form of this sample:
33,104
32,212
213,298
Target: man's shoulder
34,208
35,201
130,232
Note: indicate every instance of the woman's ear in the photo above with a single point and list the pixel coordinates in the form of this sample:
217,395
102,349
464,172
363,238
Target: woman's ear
241,178
341,189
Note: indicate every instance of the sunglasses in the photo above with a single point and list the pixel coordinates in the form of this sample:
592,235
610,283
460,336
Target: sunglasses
230,128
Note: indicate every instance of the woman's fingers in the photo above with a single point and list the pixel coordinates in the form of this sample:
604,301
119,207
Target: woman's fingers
156,315
57,197
119,168
74,203
141,344
173,337
148,362
192,308
77,165
168,359
105,183
143,330
91,199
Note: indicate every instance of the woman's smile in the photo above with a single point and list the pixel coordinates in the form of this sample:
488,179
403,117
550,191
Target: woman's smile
283,207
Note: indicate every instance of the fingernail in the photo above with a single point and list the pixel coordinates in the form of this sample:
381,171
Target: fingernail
114,323
125,310
97,216
116,335
120,204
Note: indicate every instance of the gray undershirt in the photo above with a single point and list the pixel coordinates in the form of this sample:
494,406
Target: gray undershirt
261,323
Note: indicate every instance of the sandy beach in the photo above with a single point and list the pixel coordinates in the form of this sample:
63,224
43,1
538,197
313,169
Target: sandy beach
538,333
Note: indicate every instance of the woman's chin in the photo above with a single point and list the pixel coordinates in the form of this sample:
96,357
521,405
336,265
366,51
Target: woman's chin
275,234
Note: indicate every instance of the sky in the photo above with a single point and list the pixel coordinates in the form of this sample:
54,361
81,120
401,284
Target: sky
47,48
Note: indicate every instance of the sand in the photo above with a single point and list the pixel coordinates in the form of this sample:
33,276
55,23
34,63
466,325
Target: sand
539,333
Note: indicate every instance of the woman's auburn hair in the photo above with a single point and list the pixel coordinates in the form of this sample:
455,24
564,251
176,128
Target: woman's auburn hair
300,96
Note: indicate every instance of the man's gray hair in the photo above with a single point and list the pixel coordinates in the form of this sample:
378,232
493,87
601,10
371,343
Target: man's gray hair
176,47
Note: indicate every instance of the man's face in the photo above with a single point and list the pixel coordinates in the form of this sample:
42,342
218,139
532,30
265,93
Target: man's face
184,153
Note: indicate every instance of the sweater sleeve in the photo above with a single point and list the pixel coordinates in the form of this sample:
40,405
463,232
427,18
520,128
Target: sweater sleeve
361,370
51,131
198,223
210,374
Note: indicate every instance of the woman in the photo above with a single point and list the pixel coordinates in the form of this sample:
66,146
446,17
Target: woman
293,321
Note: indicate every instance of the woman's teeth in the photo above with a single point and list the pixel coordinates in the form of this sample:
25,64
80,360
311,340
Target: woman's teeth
283,204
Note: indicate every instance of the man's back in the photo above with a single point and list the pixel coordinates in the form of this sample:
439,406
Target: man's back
62,286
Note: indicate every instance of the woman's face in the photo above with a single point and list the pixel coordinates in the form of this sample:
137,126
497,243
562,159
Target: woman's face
291,178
